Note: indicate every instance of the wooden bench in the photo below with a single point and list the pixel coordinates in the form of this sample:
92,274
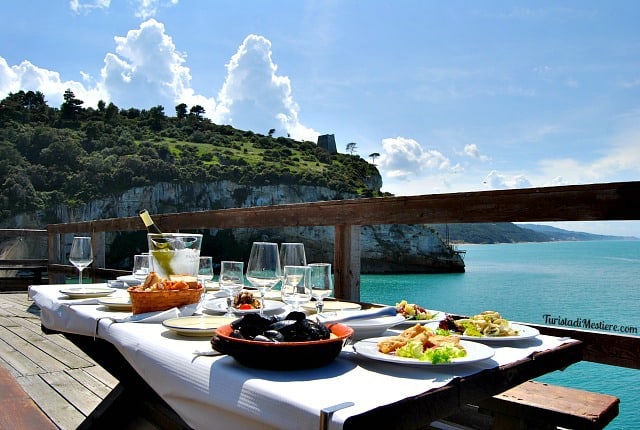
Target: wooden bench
36,266
535,405
17,409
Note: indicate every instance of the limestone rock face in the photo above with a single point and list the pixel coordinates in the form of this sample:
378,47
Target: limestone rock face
384,248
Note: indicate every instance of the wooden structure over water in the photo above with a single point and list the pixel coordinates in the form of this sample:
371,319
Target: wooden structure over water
594,202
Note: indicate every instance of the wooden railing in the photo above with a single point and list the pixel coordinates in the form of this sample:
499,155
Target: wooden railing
594,202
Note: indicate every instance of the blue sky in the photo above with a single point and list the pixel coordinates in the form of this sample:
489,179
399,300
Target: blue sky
454,96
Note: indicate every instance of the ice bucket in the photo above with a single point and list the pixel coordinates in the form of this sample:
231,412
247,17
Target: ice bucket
175,255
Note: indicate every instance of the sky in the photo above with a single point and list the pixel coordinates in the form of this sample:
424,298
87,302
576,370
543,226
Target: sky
454,96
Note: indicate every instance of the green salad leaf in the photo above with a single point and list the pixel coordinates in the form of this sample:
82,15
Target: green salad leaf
441,354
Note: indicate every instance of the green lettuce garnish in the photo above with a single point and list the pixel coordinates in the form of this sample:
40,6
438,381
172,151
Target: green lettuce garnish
441,354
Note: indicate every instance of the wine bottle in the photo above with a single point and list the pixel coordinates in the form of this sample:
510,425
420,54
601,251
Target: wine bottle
148,222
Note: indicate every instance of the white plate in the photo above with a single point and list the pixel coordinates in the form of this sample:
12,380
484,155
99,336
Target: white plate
86,292
332,306
475,352
130,280
220,305
372,327
204,325
437,316
524,332
116,303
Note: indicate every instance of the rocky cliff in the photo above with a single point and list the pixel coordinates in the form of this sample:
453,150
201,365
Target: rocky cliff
384,249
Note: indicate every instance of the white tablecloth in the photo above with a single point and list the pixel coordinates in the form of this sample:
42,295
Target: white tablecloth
216,391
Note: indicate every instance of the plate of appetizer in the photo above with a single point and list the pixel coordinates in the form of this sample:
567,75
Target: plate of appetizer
421,346
487,326
220,306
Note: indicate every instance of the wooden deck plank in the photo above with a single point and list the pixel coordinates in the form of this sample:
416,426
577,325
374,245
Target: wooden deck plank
47,362
78,395
90,382
17,409
62,380
14,358
64,356
55,406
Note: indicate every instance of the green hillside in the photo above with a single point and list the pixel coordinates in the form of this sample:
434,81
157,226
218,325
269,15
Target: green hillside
72,155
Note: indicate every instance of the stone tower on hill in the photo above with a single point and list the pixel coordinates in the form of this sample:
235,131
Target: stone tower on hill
328,143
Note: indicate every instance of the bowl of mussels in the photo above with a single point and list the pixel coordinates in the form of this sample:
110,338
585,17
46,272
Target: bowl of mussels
281,343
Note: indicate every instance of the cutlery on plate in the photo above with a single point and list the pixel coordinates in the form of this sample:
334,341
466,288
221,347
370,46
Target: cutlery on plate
334,317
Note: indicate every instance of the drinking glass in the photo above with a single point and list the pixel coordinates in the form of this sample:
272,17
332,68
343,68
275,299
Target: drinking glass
81,254
140,266
263,268
295,286
320,282
231,280
292,254
205,270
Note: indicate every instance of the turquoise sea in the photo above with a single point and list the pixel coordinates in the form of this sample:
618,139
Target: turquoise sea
598,281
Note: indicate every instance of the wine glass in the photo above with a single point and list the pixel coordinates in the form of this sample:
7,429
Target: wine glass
81,254
295,286
231,280
205,270
263,268
292,254
320,282
140,266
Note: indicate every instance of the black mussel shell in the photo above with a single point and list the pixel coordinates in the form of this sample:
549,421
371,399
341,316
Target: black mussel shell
251,325
273,335
296,316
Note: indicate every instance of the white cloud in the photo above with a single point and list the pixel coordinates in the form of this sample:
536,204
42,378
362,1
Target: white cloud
149,8
472,151
147,70
86,6
405,158
255,97
498,181
144,8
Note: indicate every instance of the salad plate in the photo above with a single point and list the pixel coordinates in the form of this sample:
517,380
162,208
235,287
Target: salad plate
524,332
436,316
86,292
220,305
369,348
204,325
116,303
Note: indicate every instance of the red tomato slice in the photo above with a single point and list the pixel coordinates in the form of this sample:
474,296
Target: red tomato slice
245,307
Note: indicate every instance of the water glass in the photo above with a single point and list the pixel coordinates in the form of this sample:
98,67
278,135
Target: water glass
231,281
263,269
140,266
295,286
320,282
205,270
81,254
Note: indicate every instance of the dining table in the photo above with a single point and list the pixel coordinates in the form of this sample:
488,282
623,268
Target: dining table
207,389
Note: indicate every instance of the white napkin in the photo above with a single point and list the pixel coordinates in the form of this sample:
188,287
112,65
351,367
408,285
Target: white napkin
159,316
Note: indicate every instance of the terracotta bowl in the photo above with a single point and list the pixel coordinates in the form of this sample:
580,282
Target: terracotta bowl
282,355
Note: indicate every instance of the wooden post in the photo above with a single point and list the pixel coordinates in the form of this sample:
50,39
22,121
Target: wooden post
346,262
98,244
